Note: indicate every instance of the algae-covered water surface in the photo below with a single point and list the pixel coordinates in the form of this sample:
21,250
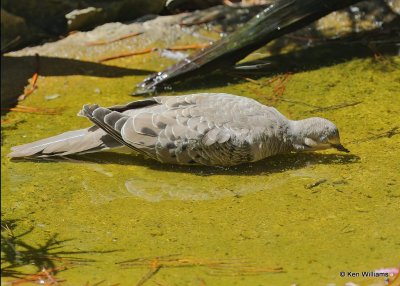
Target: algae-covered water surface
295,219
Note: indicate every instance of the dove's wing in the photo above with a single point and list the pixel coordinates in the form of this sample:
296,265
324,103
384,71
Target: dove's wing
188,129
86,140
222,129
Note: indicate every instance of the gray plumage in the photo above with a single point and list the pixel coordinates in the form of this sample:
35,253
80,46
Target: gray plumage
209,129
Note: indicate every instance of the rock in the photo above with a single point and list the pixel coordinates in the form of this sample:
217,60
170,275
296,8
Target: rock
35,20
16,33
48,15
79,19
394,5
101,12
183,5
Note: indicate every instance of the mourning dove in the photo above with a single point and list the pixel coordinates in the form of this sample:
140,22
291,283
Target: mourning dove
208,128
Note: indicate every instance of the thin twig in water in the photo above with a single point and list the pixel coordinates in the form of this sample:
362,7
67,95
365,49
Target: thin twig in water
149,50
98,43
378,56
188,47
201,281
388,134
159,283
243,271
6,121
32,86
299,102
334,107
230,267
49,277
145,261
45,277
280,88
11,43
37,110
253,81
96,284
315,184
124,55
153,271
8,229
395,281
302,38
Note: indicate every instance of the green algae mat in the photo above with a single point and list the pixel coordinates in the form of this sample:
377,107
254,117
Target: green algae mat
115,218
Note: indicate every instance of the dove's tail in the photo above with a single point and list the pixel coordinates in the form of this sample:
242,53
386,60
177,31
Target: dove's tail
78,141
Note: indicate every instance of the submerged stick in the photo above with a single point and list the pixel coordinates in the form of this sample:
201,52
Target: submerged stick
37,110
387,134
337,106
124,55
98,43
150,50
153,271
32,86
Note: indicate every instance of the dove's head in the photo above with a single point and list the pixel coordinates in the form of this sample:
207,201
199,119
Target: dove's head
315,133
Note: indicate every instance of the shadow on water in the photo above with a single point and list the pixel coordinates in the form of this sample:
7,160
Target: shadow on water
182,183
304,60
15,72
323,54
275,164
17,252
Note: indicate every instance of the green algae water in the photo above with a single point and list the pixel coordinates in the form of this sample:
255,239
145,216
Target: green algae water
115,218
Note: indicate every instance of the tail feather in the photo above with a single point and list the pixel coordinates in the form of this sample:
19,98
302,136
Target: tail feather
78,141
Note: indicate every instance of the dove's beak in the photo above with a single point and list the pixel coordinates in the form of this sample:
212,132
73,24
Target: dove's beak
340,147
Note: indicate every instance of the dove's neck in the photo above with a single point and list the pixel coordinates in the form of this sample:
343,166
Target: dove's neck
285,138
275,141
299,130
